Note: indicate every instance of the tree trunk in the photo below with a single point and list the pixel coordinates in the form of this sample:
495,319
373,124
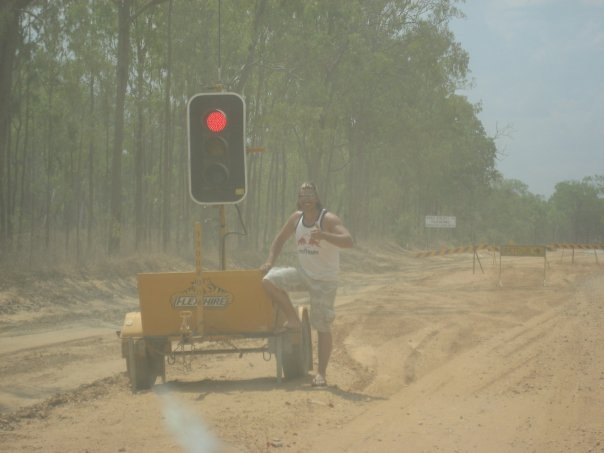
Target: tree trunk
356,186
9,42
254,41
91,150
49,151
27,170
77,182
123,63
139,154
167,179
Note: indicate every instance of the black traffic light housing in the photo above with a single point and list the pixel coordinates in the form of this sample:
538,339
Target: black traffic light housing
217,170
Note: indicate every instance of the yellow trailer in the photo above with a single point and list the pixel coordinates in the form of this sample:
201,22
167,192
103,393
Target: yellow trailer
174,321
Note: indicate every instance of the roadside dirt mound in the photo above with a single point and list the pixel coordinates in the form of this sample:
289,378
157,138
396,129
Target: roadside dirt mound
96,293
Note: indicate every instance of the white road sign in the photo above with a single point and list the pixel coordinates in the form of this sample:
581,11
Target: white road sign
441,221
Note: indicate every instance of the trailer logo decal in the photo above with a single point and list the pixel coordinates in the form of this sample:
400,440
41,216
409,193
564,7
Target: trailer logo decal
184,301
216,301
213,297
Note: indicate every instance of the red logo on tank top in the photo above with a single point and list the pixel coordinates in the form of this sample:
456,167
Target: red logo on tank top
314,242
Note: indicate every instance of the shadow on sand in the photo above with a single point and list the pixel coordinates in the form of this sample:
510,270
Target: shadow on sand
205,387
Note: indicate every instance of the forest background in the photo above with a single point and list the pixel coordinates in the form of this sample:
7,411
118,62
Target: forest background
360,96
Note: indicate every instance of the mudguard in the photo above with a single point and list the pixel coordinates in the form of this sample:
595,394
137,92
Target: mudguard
133,326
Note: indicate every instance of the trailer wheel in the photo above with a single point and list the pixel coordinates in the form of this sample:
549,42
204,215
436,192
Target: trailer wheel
156,350
158,366
297,350
139,366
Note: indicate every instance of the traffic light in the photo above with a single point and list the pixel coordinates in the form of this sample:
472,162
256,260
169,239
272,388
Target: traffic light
216,125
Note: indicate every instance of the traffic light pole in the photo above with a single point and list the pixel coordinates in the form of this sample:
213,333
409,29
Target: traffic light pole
223,233
198,283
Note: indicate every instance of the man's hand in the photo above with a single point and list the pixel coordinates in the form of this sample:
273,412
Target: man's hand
317,235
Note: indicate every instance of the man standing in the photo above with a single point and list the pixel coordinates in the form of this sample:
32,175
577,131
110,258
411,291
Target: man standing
319,236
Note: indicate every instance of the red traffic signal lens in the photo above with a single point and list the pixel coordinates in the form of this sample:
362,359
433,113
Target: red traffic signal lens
216,121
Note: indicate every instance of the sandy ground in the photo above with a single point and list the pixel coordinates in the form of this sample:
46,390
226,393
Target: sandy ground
428,357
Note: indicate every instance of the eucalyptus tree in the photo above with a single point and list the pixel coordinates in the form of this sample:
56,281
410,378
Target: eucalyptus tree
11,12
127,12
580,210
407,67
167,180
89,36
51,54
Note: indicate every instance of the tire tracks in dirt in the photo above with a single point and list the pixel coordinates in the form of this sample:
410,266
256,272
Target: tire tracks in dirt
541,377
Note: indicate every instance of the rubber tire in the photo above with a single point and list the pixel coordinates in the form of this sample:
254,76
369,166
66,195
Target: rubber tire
157,360
297,355
140,369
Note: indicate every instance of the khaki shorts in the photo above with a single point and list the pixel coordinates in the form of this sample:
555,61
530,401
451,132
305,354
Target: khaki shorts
322,294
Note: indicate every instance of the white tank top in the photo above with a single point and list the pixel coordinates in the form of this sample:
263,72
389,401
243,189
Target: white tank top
319,260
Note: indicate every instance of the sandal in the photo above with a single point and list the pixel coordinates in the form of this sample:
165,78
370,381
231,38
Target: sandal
319,381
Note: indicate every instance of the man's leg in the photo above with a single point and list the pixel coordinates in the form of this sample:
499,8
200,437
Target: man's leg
281,298
325,345
322,315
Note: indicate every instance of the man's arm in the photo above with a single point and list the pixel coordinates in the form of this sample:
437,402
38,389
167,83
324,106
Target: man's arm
333,232
287,230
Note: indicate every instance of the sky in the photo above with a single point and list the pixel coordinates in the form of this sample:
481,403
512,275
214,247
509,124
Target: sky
537,69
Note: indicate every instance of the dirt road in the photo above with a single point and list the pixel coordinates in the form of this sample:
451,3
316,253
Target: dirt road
428,357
